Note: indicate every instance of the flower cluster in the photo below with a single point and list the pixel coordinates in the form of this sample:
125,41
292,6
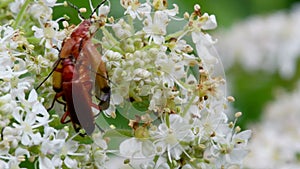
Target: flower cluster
271,41
28,37
276,145
165,76
166,81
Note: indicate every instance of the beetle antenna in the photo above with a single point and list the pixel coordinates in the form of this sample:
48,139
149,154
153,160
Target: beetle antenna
55,65
76,8
97,7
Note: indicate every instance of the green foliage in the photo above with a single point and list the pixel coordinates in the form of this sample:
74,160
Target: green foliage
253,90
227,12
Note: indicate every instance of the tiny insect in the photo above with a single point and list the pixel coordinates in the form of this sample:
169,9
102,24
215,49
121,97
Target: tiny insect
79,60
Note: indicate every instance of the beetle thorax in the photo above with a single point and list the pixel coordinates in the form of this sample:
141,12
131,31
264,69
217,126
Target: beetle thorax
83,30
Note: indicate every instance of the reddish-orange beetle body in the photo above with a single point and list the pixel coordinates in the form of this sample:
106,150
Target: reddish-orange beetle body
78,71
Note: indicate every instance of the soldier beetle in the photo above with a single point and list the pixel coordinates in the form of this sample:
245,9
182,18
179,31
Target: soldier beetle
79,61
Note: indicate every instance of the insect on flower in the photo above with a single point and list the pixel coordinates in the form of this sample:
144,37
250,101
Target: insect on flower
78,66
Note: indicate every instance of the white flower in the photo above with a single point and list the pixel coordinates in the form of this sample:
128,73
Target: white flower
37,108
230,150
57,144
207,22
6,39
99,148
3,164
172,12
209,122
204,46
140,74
68,149
158,80
26,127
17,157
49,3
158,165
203,41
7,104
41,12
9,73
135,9
172,69
103,10
271,41
156,27
32,116
137,148
45,162
275,142
122,31
48,33
168,139
15,7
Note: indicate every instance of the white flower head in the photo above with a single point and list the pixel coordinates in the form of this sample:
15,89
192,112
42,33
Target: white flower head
162,79
137,148
40,11
7,104
156,27
32,116
15,7
167,139
49,3
122,29
277,134
49,33
135,9
271,41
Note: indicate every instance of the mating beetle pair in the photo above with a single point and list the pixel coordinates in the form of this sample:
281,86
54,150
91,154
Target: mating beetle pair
78,65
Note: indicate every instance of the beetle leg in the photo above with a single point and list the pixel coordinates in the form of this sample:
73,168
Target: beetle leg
64,117
57,95
2,130
104,98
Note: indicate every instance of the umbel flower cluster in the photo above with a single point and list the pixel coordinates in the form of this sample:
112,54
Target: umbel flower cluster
272,41
165,82
280,120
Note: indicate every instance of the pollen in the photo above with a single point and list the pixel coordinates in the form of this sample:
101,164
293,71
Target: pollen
230,99
197,7
237,129
112,126
238,114
65,24
186,15
82,10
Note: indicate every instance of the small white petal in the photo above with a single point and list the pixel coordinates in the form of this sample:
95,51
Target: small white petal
71,163
45,162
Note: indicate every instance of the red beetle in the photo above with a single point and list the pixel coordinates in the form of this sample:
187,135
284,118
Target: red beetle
79,61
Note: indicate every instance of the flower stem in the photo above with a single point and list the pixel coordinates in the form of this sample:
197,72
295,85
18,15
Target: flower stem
21,14
188,105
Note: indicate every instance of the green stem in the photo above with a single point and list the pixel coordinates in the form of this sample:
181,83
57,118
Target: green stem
109,35
188,105
167,120
177,34
21,14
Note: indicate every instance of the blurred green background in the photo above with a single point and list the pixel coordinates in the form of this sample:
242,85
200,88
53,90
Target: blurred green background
252,90
227,11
